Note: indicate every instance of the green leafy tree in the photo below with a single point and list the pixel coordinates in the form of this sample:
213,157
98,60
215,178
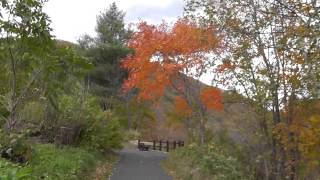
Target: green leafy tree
34,67
25,41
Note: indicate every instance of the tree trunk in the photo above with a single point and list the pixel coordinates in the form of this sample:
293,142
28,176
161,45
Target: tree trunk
202,125
202,131
294,154
278,152
129,115
12,107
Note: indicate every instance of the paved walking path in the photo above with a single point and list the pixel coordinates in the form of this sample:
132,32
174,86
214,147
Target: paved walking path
140,165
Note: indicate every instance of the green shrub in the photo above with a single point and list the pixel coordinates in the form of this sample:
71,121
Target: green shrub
73,109
103,134
33,112
4,140
206,162
51,162
131,135
100,129
4,113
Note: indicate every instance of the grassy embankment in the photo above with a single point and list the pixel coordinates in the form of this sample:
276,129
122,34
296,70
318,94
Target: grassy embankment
51,162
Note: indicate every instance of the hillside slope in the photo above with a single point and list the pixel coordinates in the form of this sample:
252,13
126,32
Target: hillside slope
237,121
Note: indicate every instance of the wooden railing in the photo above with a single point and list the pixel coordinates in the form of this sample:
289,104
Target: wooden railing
159,145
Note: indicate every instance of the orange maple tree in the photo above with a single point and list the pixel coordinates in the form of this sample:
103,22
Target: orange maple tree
162,53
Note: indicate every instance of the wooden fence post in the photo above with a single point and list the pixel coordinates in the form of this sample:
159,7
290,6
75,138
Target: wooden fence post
160,145
167,146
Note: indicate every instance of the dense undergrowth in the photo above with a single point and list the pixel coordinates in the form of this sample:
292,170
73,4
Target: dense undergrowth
51,162
207,162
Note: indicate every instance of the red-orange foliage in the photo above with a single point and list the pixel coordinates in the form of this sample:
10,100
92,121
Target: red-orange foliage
182,107
161,53
212,98
225,66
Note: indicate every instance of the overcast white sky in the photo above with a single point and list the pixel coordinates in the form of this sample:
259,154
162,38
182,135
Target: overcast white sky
72,18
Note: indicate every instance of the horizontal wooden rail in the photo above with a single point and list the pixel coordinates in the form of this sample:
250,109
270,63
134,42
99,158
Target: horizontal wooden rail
159,145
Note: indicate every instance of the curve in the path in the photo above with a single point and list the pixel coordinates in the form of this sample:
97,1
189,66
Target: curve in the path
140,165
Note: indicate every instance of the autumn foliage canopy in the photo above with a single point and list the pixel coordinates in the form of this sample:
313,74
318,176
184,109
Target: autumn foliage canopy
163,52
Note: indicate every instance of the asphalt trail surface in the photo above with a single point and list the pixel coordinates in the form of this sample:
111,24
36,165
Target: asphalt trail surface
140,165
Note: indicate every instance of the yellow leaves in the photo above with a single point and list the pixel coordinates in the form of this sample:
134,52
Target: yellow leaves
280,132
233,23
295,81
306,8
297,58
303,131
310,139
